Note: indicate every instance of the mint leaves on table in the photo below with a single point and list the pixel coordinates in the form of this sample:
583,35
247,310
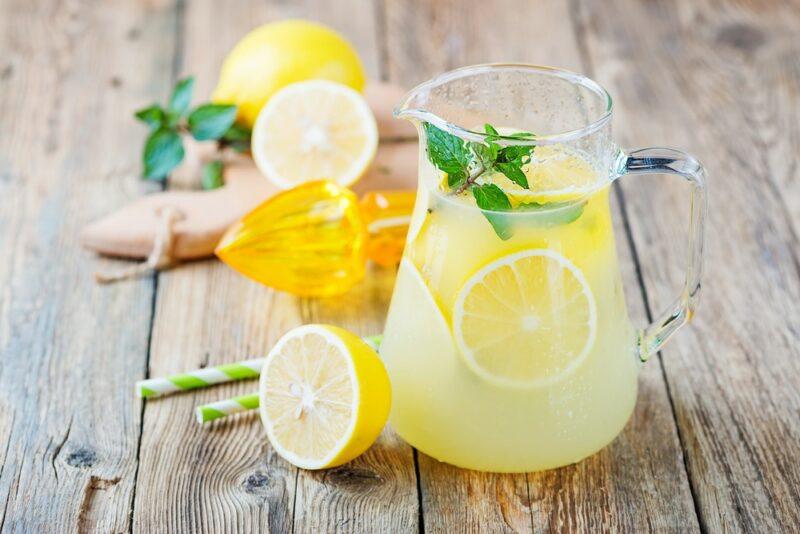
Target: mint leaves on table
163,150
212,175
181,96
211,121
237,137
153,116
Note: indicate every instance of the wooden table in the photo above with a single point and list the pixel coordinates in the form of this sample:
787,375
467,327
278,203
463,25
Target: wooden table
714,442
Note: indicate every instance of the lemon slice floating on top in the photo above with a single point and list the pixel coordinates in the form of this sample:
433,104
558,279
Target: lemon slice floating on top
528,319
555,174
324,396
314,130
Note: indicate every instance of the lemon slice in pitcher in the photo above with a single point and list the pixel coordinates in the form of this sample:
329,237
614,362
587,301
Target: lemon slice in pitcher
324,396
315,130
525,320
555,174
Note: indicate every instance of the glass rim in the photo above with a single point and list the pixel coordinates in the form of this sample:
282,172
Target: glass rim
547,208
403,111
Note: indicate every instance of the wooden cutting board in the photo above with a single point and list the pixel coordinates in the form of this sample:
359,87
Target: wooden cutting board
203,216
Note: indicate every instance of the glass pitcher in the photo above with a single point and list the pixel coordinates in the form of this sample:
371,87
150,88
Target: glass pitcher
507,341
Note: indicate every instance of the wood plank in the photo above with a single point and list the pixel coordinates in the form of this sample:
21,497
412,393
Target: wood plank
638,482
723,81
71,75
227,475
424,39
376,492
354,19
224,475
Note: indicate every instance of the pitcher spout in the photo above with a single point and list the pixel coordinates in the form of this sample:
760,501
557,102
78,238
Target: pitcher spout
411,108
424,102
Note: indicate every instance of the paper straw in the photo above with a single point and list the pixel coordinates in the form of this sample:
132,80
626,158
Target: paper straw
373,341
216,410
200,378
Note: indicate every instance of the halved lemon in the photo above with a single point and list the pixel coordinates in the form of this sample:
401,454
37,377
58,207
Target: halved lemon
314,130
525,320
324,396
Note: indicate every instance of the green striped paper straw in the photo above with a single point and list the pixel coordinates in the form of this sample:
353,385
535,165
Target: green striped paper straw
223,408
200,378
373,341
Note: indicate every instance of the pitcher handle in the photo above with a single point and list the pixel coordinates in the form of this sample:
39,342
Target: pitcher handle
670,161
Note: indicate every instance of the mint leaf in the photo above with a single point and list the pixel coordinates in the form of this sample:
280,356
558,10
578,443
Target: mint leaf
452,155
182,95
557,212
237,132
514,153
171,119
510,160
211,121
521,135
212,175
237,137
513,172
152,116
486,154
163,151
491,197
448,153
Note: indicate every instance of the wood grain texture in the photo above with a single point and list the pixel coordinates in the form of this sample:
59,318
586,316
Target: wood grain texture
226,476
637,483
376,492
721,80
223,476
712,445
71,73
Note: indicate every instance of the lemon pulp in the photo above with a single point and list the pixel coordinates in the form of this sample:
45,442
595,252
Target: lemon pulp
324,396
502,311
316,130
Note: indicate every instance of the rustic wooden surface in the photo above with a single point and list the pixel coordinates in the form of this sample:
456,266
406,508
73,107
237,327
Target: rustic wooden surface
714,444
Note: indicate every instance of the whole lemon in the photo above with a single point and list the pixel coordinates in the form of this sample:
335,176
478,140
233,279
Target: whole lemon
277,54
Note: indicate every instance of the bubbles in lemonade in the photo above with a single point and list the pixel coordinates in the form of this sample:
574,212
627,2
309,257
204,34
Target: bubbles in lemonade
507,340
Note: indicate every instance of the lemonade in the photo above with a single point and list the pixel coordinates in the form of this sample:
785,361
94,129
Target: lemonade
507,341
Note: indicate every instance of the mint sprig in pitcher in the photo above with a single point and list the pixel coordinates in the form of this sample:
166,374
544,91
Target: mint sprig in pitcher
507,342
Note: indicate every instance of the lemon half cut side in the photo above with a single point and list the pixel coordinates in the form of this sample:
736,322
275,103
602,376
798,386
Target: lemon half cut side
314,130
324,396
